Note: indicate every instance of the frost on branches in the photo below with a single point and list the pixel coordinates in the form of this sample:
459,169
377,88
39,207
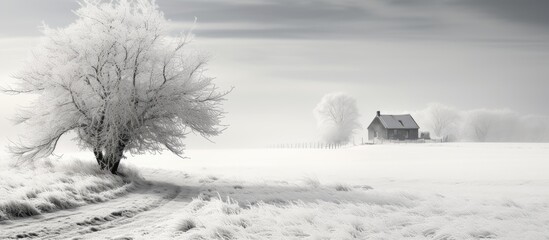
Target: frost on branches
337,117
116,79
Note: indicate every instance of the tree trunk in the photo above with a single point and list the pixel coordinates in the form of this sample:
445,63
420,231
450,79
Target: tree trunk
108,158
100,158
111,160
117,156
115,161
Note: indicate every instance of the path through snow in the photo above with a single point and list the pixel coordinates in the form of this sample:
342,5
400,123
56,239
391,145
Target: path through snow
136,213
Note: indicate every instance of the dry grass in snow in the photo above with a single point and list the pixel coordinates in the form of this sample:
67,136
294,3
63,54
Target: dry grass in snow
322,212
48,185
442,191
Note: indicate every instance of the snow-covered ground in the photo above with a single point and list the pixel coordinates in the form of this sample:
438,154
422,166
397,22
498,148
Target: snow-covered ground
47,185
393,191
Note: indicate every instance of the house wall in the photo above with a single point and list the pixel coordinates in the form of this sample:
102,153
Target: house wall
402,134
414,134
376,126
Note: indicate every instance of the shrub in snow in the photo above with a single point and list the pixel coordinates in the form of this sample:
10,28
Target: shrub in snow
117,80
312,182
342,188
186,225
231,209
18,208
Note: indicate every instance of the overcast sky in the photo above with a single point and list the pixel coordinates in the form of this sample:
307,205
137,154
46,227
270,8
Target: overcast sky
282,56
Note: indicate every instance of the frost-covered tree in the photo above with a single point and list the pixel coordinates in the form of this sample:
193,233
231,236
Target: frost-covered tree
117,79
337,117
478,124
483,125
443,120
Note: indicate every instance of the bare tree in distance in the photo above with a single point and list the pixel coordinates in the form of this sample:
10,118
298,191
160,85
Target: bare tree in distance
337,117
478,124
443,120
120,82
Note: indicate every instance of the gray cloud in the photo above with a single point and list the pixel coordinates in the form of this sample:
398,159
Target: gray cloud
397,19
527,12
476,20
283,11
296,19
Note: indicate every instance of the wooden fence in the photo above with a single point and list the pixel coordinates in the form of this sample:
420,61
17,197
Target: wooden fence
309,145
384,141
321,145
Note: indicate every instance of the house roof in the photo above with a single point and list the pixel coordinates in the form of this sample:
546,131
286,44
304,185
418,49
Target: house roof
405,121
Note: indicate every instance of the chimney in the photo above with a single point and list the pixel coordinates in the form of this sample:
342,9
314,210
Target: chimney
378,113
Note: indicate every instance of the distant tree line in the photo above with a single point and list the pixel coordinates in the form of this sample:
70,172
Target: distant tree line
482,125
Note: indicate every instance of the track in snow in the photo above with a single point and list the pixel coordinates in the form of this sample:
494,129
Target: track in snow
135,213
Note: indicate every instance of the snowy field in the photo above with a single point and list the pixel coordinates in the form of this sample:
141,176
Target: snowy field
393,191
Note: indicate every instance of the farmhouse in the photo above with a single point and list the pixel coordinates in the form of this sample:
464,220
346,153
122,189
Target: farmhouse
393,127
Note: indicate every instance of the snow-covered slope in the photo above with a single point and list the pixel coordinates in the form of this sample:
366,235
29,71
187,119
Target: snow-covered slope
396,191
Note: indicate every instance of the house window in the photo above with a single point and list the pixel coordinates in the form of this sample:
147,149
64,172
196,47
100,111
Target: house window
407,133
394,132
